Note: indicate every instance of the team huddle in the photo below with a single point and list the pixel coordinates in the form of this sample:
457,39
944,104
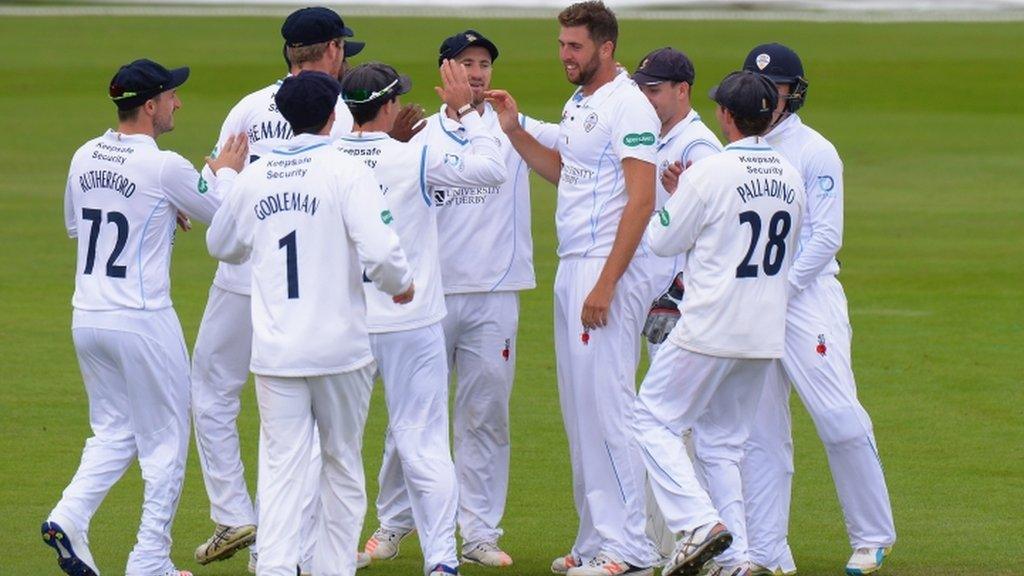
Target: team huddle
359,239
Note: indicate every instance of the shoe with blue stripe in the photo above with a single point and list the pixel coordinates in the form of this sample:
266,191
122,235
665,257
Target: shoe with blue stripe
73,555
866,561
444,570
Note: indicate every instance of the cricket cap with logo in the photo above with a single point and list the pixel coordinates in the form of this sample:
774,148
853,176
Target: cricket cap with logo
314,25
371,82
307,99
746,94
778,62
454,45
664,65
141,80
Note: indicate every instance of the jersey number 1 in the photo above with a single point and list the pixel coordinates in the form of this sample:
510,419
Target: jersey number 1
774,251
96,217
288,243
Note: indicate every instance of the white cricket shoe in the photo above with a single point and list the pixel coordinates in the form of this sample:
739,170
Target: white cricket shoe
362,560
604,564
866,560
486,554
562,564
713,568
695,548
225,542
72,546
383,545
176,572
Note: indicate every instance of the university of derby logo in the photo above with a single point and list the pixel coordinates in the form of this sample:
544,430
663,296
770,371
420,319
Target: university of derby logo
439,197
590,122
821,349
763,60
508,349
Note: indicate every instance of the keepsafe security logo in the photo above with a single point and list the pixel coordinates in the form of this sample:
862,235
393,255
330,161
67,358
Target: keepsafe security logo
202,186
664,217
386,217
633,139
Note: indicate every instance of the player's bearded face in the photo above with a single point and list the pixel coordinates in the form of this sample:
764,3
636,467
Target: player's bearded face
476,60
579,54
165,106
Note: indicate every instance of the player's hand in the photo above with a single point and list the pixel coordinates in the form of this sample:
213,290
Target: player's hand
670,176
183,221
506,108
455,89
596,306
664,312
408,123
231,155
405,297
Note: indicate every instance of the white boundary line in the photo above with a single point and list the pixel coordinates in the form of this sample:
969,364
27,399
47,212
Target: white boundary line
893,16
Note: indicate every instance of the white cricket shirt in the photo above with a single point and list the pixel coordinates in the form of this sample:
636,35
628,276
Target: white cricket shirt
596,134
121,199
821,235
257,116
314,223
484,231
687,142
738,214
408,174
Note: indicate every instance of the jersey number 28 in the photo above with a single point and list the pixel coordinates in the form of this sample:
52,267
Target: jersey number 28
774,250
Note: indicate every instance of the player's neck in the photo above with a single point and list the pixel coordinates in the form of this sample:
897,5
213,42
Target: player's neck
668,125
376,125
133,128
605,74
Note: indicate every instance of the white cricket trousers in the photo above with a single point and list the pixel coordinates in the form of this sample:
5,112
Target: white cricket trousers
289,407
717,397
415,373
597,389
135,368
480,340
817,362
220,369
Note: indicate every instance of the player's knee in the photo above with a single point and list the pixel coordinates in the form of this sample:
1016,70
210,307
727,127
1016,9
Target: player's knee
843,426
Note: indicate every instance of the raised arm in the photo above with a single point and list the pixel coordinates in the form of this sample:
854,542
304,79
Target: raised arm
543,160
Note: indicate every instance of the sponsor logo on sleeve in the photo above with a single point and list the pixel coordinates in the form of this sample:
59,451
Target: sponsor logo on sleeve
634,139
664,217
453,160
826,184
202,186
386,217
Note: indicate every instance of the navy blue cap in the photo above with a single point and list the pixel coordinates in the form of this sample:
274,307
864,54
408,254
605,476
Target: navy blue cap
368,82
352,48
454,45
307,99
664,64
746,94
779,63
141,80
312,26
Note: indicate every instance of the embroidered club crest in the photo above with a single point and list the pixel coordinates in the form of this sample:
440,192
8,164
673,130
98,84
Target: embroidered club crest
763,60
590,122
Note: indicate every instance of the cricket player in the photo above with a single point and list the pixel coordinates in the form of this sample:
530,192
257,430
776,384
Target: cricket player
817,361
482,297
666,76
604,166
408,342
122,198
737,213
314,225
314,40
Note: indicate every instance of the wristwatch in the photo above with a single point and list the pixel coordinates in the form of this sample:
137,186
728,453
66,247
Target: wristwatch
463,110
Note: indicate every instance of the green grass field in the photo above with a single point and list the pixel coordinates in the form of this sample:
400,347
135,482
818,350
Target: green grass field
927,117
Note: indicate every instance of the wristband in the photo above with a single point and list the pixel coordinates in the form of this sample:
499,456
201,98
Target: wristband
463,110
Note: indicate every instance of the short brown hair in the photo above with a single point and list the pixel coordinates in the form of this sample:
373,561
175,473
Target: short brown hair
129,115
600,21
755,126
296,55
